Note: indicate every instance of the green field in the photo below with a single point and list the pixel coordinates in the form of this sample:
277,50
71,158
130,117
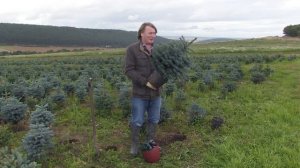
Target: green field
261,121
252,46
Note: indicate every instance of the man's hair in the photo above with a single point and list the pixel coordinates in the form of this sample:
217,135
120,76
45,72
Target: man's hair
142,28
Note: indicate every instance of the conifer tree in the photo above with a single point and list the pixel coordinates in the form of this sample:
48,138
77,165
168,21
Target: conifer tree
124,100
38,141
14,158
165,113
196,113
104,101
12,110
42,116
171,61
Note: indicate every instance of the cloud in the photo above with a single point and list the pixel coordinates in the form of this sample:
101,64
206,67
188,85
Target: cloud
208,29
133,17
226,18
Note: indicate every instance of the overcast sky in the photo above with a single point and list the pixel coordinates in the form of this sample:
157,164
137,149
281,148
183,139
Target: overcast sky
200,18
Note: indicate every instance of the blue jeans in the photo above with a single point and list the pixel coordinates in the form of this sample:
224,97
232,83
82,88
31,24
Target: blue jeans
140,106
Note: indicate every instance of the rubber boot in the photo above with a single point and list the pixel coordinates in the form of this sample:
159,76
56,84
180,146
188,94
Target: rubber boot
135,130
151,131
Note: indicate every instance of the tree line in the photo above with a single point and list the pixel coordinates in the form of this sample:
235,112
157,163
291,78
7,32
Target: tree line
25,34
292,30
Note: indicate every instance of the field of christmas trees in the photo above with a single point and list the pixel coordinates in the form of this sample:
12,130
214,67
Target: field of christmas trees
237,106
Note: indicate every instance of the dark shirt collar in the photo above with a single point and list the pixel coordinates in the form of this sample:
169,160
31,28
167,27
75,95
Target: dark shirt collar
144,48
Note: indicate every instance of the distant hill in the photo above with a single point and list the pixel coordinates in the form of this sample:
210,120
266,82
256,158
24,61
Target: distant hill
25,34
212,40
204,39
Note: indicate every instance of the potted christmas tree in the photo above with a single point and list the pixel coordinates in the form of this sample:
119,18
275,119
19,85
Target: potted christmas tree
151,152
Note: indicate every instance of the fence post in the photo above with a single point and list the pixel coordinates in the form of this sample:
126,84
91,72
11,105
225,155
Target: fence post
92,106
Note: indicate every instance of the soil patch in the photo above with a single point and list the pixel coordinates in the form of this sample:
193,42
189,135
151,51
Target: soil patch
170,138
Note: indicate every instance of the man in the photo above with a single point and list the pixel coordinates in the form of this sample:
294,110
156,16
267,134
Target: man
145,96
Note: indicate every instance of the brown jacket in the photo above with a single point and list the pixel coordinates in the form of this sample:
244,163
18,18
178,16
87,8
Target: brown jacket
138,68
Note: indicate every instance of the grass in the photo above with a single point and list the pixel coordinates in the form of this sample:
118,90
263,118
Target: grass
261,130
250,46
261,126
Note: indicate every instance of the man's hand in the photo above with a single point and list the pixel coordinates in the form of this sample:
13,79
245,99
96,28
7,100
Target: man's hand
150,86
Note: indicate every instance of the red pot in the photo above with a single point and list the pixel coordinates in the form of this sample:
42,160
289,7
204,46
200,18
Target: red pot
152,155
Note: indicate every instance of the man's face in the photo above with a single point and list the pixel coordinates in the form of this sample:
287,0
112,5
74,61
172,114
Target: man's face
148,35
